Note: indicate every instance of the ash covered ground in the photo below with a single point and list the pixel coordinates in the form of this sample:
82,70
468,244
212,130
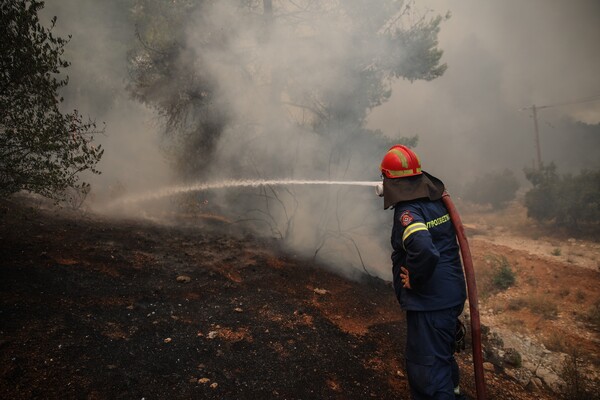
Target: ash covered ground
99,308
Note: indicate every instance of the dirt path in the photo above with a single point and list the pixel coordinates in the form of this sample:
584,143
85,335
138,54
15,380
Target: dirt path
553,308
577,252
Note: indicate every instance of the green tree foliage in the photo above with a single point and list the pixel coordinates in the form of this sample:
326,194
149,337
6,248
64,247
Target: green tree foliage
319,66
568,199
541,199
497,189
167,74
42,150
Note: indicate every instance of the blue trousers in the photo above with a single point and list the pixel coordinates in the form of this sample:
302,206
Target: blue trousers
430,365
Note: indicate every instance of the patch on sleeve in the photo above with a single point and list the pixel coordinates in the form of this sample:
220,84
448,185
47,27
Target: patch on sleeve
406,218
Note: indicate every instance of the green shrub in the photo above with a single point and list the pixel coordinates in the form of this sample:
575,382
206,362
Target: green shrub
503,276
496,189
497,277
513,357
567,200
43,150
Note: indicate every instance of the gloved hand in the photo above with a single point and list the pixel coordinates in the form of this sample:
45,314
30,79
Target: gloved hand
405,276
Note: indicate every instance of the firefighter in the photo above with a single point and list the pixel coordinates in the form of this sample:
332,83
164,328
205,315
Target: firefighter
427,274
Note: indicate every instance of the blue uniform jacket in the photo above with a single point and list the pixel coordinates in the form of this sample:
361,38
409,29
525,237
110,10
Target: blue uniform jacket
424,242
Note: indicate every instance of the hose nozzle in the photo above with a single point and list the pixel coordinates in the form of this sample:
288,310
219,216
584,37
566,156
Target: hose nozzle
379,189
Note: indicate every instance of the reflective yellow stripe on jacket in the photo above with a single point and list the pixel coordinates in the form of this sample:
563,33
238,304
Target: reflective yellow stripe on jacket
412,228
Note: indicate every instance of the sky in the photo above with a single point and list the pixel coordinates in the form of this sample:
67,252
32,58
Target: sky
503,56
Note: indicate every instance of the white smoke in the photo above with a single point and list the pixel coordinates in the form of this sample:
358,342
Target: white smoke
501,56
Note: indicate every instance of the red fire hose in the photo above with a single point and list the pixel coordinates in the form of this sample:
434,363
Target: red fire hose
472,294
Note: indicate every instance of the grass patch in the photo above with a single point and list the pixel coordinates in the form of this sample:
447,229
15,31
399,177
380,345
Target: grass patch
593,315
579,296
516,304
556,341
542,306
532,281
537,304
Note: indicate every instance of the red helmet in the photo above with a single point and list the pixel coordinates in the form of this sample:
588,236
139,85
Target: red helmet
399,162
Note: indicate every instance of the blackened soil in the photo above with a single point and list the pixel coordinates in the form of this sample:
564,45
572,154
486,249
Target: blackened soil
96,308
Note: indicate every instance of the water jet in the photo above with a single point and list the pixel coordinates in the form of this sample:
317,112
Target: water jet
203,186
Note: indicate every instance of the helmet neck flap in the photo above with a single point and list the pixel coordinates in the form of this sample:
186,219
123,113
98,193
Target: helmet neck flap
422,186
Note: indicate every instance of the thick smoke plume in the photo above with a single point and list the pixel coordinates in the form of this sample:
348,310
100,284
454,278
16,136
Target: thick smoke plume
298,80
296,89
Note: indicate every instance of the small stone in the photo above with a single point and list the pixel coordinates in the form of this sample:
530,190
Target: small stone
203,380
214,385
549,378
237,309
529,366
212,334
183,279
167,340
534,385
510,373
400,374
488,366
320,291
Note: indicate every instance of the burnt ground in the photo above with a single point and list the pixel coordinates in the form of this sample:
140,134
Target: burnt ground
97,308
